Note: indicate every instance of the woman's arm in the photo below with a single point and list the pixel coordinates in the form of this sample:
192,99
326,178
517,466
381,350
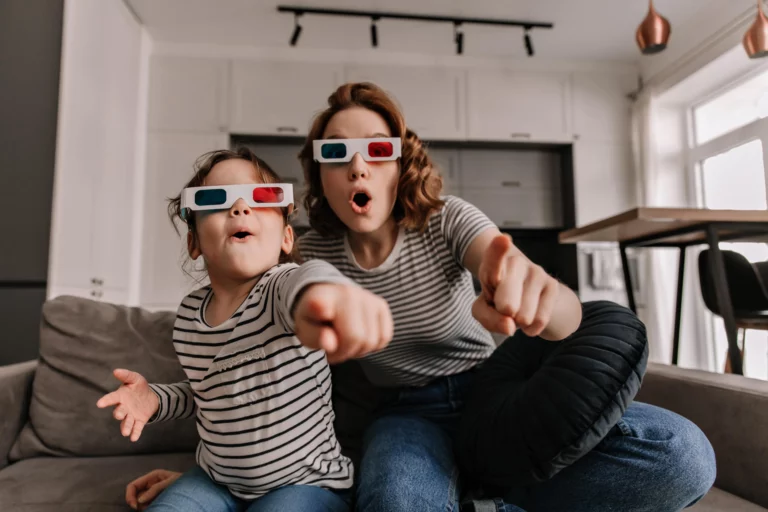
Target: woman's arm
517,293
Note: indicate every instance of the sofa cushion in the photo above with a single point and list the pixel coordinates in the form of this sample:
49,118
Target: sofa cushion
81,342
538,406
718,500
64,484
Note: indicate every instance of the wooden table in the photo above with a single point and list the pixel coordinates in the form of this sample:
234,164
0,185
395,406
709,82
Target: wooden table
680,228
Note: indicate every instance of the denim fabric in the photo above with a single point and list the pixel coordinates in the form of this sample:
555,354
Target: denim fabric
652,460
196,492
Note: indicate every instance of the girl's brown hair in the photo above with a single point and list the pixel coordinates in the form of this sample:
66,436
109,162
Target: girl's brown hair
203,166
419,187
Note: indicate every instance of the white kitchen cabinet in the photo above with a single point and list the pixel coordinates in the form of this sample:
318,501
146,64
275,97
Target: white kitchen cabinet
517,209
431,98
604,180
601,106
509,169
446,162
188,94
170,159
518,105
279,98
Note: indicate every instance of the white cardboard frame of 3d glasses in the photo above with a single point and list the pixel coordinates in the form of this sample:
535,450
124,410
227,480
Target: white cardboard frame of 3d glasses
357,146
235,192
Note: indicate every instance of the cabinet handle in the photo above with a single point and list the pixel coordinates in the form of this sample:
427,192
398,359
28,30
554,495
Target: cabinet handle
511,184
511,223
289,129
520,135
97,281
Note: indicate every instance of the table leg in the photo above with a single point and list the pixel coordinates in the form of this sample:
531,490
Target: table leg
679,305
717,267
627,278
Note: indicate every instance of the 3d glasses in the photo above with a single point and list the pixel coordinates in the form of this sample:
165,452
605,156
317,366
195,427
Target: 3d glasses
266,195
382,149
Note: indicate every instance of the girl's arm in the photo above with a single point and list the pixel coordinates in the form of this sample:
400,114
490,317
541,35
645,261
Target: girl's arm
176,401
517,293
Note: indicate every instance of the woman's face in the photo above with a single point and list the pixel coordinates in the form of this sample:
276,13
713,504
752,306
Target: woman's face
362,194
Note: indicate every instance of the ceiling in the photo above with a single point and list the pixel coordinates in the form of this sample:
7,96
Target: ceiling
584,29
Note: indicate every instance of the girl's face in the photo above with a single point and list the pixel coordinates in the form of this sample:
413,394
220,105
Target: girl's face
362,194
242,242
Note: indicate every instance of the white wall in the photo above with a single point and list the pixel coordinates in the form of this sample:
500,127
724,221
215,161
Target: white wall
100,131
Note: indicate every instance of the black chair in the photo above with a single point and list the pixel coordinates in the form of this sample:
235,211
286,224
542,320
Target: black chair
746,287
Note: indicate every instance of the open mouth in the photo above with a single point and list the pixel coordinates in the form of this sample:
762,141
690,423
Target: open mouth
241,235
361,202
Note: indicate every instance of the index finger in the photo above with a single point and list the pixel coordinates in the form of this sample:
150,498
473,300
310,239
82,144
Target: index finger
494,261
112,398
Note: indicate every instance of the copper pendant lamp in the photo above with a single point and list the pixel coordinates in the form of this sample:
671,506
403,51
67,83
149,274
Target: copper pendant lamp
756,39
653,33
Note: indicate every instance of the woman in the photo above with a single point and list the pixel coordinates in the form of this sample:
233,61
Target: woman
375,208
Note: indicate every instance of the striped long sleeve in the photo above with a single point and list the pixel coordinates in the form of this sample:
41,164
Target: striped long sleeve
176,401
429,292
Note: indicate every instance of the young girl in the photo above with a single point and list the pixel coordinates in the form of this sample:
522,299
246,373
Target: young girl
261,393
377,215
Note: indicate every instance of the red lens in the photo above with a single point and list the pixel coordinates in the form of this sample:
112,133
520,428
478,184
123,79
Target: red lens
380,149
268,195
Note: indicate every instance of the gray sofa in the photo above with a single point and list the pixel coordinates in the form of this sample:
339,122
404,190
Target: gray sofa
58,452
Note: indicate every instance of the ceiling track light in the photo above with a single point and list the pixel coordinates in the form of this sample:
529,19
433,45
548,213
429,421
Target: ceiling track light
527,41
458,35
374,32
458,38
296,28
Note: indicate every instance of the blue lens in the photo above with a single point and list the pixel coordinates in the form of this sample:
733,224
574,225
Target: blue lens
333,150
210,197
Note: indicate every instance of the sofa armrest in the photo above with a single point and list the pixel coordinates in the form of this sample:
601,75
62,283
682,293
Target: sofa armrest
15,394
733,413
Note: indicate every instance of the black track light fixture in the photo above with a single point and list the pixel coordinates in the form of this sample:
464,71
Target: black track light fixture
374,32
458,38
528,42
458,35
296,29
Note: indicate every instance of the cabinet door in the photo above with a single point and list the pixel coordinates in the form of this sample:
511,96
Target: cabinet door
603,180
446,162
279,98
511,169
515,105
170,159
188,94
518,208
601,107
283,159
431,98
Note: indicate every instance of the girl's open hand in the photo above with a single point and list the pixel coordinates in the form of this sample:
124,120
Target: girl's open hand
135,403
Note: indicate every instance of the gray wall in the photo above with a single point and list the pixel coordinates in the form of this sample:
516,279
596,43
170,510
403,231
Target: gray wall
30,52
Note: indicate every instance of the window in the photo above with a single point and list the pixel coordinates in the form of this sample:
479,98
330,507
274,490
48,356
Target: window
733,109
730,132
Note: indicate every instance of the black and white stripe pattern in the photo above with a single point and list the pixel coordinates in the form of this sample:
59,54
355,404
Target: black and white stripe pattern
263,401
429,292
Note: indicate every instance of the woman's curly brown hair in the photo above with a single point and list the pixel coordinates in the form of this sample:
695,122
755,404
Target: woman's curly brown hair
203,167
419,187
